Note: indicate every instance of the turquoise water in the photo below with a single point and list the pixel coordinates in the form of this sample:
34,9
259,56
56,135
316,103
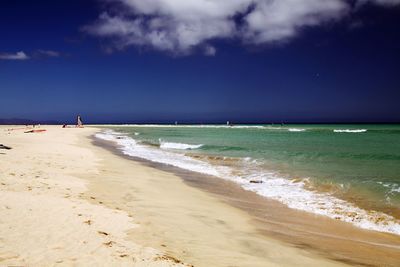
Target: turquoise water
356,163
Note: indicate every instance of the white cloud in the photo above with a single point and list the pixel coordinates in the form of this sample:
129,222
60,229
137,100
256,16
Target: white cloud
34,55
182,26
279,20
14,56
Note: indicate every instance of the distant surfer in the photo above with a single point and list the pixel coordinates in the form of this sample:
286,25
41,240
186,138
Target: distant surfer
79,122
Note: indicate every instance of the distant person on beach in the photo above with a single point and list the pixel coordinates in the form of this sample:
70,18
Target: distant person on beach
79,122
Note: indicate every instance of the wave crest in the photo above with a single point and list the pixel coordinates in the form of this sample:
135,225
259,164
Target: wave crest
349,130
292,193
180,146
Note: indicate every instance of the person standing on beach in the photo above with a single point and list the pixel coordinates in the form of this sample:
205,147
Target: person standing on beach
79,122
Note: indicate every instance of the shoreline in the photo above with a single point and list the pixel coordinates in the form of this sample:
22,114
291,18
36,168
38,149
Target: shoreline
68,201
192,231
342,241
294,189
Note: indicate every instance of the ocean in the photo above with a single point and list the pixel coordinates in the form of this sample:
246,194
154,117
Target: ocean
347,172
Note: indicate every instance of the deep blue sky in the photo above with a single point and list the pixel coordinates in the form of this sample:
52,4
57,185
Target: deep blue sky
342,72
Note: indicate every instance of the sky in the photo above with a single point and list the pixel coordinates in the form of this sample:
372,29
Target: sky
200,61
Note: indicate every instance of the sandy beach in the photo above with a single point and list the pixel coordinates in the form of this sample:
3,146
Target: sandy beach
45,218
68,200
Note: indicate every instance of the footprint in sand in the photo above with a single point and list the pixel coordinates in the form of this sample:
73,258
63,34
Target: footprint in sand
109,243
102,233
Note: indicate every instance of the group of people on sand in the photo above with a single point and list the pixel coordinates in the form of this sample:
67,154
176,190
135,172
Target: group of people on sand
79,123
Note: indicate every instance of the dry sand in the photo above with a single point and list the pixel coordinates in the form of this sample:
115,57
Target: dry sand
45,221
64,201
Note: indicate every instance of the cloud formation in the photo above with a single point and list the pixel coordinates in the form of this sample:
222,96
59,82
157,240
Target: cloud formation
182,26
14,56
37,54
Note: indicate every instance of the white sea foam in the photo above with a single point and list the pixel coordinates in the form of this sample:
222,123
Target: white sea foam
350,130
170,145
394,188
107,135
269,184
296,130
132,148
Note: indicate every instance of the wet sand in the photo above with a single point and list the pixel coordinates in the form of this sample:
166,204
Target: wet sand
190,224
318,235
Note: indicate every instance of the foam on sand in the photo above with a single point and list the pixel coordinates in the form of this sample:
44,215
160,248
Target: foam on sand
265,183
132,148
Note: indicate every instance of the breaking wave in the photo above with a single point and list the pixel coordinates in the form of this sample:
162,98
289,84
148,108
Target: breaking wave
170,145
251,176
349,130
296,130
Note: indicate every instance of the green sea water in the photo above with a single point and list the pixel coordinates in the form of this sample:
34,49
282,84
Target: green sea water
357,163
